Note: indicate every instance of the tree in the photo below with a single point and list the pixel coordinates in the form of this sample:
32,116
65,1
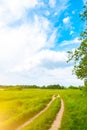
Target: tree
80,54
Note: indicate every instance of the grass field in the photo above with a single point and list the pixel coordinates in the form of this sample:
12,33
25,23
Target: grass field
17,106
44,121
75,114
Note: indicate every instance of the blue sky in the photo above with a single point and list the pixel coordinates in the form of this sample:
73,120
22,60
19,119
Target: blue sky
34,39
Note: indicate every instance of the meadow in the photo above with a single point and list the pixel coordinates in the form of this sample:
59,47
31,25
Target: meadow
18,106
75,114
44,121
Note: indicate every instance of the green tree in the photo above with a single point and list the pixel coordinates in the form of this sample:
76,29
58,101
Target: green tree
80,54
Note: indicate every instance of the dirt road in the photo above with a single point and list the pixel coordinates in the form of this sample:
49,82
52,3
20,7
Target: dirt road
29,121
57,122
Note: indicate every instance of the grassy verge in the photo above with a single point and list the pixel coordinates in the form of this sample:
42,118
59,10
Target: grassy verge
44,121
75,114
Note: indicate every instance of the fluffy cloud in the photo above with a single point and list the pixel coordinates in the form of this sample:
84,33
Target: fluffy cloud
42,76
27,44
39,59
24,41
15,9
61,75
66,20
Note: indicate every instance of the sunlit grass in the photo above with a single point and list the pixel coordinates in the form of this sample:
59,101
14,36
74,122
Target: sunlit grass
18,106
75,114
44,121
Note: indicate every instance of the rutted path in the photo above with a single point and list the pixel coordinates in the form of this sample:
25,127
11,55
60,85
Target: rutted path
29,121
57,122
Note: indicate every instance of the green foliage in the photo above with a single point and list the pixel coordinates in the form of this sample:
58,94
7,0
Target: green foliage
80,58
54,86
80,54
72,87
21,87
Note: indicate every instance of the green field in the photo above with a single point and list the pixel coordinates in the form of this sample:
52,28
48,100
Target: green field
18,106
75,114
44,121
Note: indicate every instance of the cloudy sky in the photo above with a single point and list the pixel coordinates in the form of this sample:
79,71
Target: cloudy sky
35,36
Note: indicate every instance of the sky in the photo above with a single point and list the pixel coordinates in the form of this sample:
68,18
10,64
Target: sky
35,36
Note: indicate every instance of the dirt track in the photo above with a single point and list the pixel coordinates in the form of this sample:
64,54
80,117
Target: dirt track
29,121
57,122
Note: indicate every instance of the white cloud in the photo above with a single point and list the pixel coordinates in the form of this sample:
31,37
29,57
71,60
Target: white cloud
26,49
42,76
52,3
38,59
74,41
55,56
66,20
16,44
23,45
65,77
18,6
12,10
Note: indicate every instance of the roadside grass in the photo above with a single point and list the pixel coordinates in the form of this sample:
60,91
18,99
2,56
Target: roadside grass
44,121
75,113
16,107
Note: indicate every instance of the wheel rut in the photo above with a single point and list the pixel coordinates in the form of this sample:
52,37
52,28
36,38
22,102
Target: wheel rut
57,122
30,120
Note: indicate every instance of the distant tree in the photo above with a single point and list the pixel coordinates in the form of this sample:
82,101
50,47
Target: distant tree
72,87
80,54
55,86
43,87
